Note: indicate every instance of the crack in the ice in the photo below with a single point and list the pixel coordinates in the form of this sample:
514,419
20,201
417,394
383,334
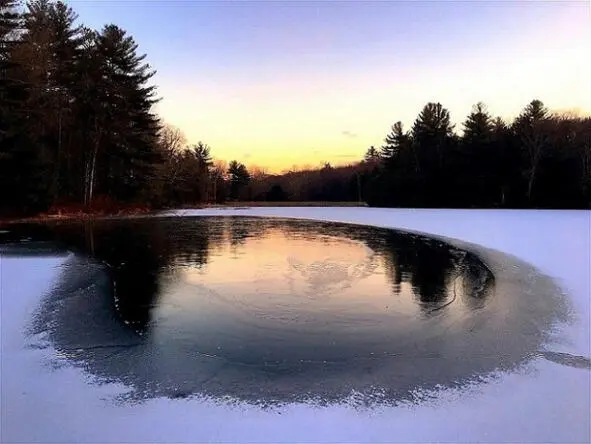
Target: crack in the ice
566,359
95,347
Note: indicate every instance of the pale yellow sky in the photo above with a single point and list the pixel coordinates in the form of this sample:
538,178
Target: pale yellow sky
314,111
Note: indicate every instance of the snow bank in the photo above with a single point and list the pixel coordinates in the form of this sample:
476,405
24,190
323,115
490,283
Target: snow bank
41,403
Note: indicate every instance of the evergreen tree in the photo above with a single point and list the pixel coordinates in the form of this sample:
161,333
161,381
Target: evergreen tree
372,155
201,163
478,126
433,140
43,61
9,92
239,177
202,153
130,146
35,55
66,47
473,172
89,105
400,176
10,21
22,164
505,164
532,127
432,132
393,141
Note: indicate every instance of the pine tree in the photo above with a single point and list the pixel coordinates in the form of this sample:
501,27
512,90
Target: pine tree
505,162
202,164
22,164
202,153
432,130
90,104
239,178
532,127
35,53
394,141
131,143
372,155
44,58
66,52
478,126
10,101
472,167
9,24
433,141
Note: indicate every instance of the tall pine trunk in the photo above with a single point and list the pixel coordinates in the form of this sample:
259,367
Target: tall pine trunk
91,168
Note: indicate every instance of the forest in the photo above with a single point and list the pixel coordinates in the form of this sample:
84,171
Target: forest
78,130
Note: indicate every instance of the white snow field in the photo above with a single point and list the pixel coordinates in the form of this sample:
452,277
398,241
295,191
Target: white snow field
41,402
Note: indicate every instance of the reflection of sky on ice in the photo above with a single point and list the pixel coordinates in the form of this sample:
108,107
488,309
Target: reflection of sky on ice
323,266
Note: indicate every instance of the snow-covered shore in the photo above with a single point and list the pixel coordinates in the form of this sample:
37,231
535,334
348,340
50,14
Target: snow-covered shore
551,404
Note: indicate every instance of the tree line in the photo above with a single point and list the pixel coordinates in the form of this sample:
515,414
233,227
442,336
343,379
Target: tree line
76,110
539,160
77,128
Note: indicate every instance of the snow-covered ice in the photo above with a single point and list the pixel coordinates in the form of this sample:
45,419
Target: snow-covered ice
44,403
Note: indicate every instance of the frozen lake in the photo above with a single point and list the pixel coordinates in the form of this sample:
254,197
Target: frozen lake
190,328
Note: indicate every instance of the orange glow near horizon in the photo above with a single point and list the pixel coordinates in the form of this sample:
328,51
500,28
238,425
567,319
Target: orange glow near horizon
309,114
319,271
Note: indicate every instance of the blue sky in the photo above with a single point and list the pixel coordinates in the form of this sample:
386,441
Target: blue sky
283,83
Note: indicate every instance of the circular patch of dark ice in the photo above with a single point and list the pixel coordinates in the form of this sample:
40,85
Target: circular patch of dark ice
496,313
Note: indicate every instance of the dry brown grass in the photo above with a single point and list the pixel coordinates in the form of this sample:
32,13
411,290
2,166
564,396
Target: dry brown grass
104,209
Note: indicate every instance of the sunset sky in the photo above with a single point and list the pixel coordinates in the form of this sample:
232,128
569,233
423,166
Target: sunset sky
277,84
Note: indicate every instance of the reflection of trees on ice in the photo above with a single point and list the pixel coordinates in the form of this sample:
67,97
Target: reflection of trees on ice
327,276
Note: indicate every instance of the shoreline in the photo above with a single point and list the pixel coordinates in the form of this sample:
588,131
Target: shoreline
48,217
139,212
